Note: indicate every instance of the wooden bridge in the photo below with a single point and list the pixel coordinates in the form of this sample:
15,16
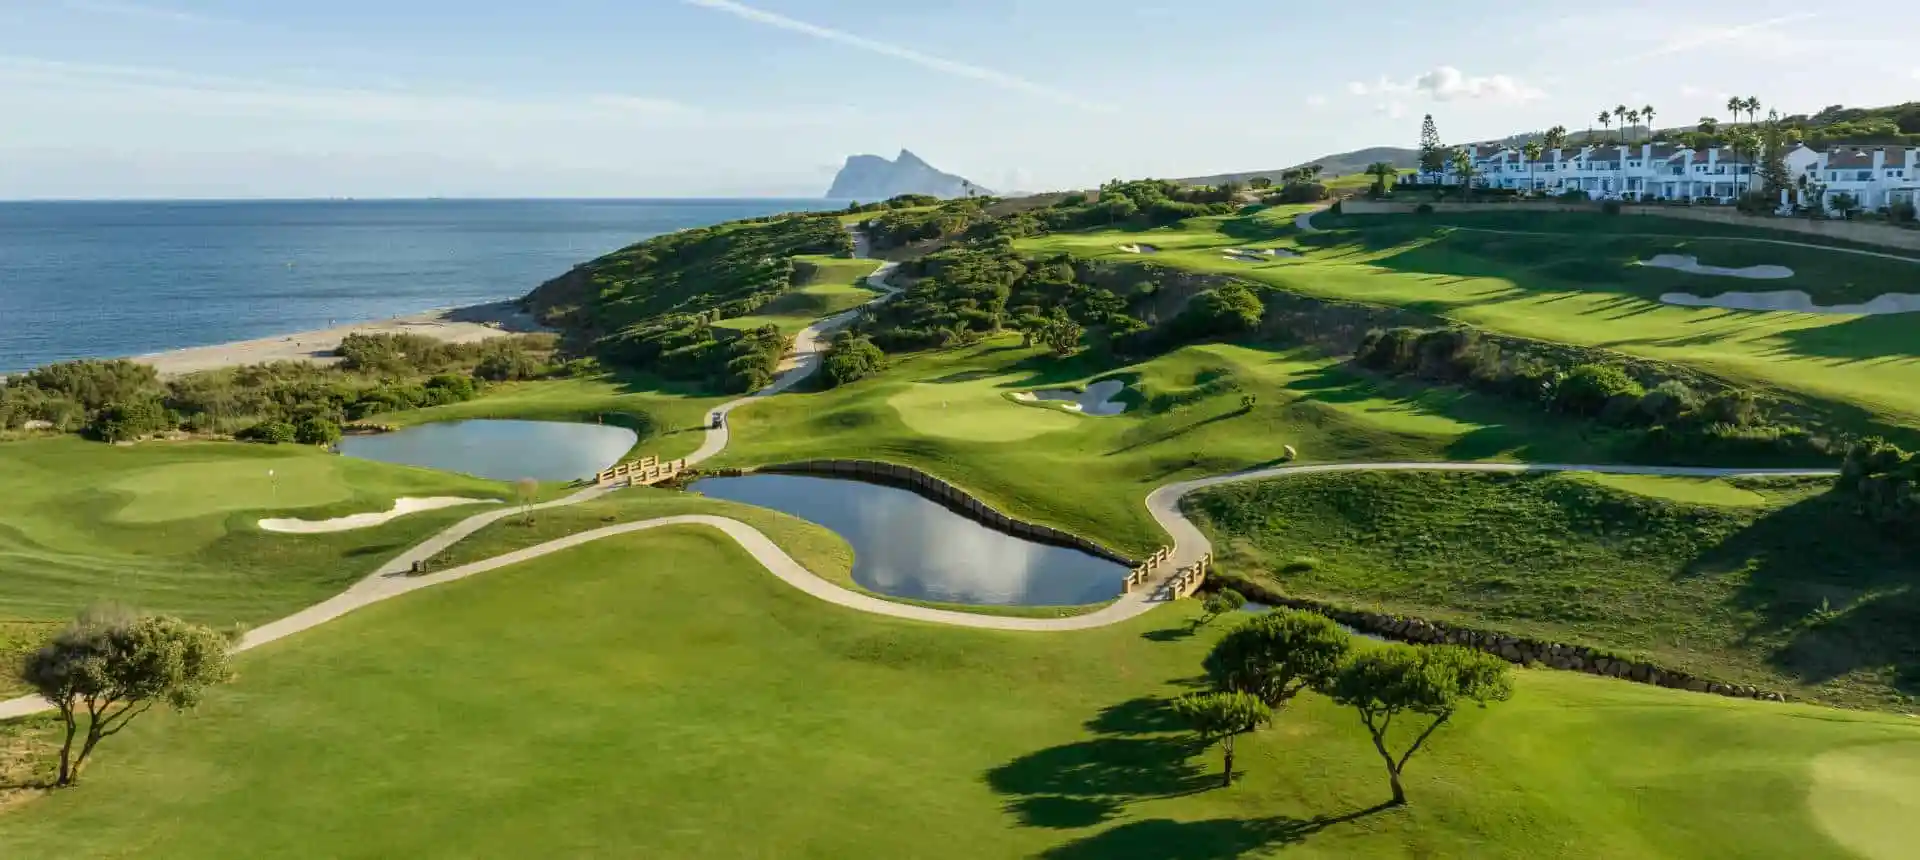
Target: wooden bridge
643,472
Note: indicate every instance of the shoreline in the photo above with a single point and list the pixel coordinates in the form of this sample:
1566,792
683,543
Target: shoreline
468,324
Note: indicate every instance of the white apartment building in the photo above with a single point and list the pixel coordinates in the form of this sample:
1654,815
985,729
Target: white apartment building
1876,176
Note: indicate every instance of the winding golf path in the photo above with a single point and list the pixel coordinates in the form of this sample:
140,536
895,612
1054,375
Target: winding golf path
392,579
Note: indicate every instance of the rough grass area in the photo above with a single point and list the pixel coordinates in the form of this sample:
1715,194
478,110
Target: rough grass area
946,413
659,695
827,286
1578,285
1796,592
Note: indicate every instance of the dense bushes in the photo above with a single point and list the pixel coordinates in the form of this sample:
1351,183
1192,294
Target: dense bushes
119,401
1671,418
1225,310
1884,481
946,220
851,357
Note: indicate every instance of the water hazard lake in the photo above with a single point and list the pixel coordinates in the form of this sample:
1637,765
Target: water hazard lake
909,546
500,450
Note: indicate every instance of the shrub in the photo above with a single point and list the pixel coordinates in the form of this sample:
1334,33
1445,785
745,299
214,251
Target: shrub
506,365
1227,309
1423,209
851,357
1904,213
1610,207
1667,402
1589,388
269,433
124,422
449,388
1575,195
316,431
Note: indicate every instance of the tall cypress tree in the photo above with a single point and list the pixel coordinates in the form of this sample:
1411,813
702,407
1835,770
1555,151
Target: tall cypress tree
1433,157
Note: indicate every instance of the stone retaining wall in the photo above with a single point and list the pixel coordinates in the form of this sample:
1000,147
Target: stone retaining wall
954,498
1518,649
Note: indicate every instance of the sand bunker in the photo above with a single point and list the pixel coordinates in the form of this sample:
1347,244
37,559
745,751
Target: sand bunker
1140,249
1259,256
401,507
1797,301
1097,400
1691,265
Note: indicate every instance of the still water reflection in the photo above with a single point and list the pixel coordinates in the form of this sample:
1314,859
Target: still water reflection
909,546
500,450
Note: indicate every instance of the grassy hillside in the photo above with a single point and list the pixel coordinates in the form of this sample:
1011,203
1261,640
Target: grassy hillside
747,719
1773,583
651,306
1339,164
822,287
1579,285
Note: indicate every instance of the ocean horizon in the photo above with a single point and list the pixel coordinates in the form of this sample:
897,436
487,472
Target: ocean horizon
112,278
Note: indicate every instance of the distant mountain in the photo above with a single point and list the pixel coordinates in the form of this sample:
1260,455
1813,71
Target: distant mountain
1344,164
869,178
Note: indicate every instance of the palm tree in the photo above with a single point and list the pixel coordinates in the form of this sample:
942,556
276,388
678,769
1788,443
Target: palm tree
1735,105
1620,114
1647,111
1752,107
1556,137
1633,119
1382,171
1532,150
1606,121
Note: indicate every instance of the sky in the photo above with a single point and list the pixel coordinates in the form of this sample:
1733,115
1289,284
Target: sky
684,98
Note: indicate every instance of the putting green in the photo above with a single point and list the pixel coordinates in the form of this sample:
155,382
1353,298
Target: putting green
1696,491
976,410
1863,798
179,491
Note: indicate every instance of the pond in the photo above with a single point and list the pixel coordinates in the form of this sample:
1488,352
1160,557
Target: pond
906,545
500,450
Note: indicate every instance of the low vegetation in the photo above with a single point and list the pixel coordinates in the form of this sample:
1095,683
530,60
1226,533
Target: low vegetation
654,306
1791,590
283,402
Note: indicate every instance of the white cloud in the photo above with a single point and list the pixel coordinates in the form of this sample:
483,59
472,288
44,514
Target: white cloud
1447,83
939,64
1316,101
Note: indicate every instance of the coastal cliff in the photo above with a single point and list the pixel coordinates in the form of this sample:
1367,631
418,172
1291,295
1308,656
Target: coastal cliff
871,177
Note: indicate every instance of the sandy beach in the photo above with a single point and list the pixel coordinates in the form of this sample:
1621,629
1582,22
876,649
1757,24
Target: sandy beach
454,325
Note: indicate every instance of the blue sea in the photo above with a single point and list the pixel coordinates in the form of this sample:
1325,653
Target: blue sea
86,279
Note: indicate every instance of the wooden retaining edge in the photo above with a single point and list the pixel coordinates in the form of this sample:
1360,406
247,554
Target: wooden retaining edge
953,498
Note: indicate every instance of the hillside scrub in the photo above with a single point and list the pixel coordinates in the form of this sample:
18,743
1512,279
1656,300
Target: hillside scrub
1797,592
1884,481
118,400
652,306
1673,420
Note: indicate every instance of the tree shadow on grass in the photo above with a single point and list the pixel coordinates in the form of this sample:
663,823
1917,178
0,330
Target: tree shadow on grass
1143,437
1087,782
1833,593
1859,339
1165,839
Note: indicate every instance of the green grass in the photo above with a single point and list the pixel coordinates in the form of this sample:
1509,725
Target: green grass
946,413
169,527
1579,287
1770,582
831,285
703,709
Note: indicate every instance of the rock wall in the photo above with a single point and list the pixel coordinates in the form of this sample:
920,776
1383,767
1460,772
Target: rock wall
1518,649
955,499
